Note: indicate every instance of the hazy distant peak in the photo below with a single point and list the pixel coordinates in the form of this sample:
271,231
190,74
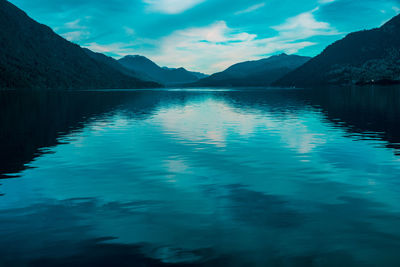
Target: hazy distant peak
164,75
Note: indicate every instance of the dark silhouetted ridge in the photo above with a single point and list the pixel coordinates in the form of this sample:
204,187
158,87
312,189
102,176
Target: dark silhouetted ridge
168,76
364,57
255,73
33,56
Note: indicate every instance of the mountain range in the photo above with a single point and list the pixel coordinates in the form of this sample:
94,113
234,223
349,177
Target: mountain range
364,57
33,56
151,71
255,73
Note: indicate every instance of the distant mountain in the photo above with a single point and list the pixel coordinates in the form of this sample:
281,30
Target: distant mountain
110,62
199,75
168,76
364,57
33,56
255,73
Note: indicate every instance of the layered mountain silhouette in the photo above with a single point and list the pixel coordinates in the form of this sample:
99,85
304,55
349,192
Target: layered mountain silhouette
365,57
255,73
150,70
33,56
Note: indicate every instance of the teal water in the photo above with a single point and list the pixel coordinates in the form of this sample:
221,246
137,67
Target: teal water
202,177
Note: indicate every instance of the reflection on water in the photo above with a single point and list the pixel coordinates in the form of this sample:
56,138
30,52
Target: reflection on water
264,177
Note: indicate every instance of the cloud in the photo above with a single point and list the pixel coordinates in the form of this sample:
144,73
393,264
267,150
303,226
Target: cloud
76,36
304,26
217,33
74,31
115,48
250,9
74,24
171,6
216,47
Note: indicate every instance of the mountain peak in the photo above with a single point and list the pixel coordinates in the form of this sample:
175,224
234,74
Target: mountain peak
283,55
165,75
135,57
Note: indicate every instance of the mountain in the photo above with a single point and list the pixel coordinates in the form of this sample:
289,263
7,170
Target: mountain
99,57
169,76
33,56
199,75
365,57
255,73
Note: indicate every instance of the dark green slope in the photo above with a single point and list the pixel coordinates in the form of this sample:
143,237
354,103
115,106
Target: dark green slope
33,56
255,73
371,56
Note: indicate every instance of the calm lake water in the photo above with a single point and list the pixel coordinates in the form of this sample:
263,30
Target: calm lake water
202,177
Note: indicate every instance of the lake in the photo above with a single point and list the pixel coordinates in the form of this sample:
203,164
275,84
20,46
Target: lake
256,177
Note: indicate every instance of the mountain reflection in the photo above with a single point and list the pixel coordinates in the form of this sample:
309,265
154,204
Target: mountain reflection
200,177
32,121
365,112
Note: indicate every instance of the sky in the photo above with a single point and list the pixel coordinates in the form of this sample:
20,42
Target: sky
207,35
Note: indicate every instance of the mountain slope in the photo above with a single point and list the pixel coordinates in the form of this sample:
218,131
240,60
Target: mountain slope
99,57
370,56
33,56
255,73
145,66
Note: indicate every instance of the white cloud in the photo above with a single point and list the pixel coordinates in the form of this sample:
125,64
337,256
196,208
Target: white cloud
171,6
217,32
74,31
250,9
396,9
304,26
74,25
120,48
216,47
76,36
115,48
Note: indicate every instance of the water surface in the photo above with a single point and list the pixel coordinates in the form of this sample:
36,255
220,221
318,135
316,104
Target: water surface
213,177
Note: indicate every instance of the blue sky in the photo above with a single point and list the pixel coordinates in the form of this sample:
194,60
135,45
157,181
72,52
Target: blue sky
207,35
